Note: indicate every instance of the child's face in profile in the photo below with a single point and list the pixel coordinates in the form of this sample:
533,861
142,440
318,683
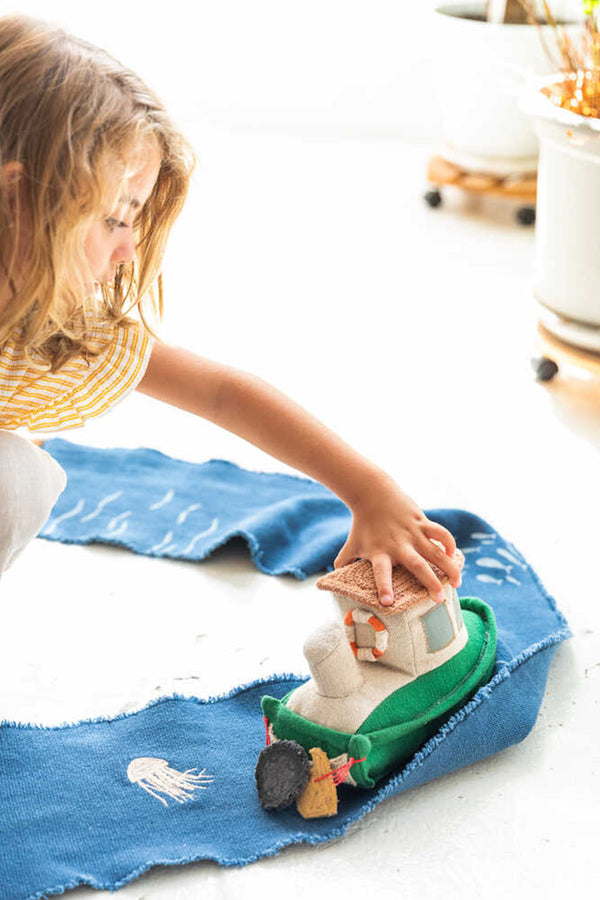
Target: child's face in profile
110,241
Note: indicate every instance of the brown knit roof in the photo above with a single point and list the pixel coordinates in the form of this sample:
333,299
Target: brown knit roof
357,582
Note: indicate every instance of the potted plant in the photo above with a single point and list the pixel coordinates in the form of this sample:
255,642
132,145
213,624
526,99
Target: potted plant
565,109
484,53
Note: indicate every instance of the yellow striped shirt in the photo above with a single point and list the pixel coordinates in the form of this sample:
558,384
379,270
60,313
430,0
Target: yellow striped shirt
46,401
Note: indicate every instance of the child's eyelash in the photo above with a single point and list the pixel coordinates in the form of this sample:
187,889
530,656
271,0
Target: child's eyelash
114,223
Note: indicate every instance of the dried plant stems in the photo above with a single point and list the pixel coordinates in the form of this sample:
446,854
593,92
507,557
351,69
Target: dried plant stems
579,61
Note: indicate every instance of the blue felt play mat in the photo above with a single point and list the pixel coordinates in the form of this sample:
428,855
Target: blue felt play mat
99,802
159,506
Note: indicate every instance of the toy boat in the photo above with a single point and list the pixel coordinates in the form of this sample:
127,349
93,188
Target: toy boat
382,682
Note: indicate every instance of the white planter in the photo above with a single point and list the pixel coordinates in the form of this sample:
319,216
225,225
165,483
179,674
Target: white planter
480,69
567,267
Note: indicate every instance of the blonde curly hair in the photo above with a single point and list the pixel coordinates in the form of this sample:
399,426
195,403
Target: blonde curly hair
69,113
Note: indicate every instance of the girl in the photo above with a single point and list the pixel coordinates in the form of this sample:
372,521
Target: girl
92,177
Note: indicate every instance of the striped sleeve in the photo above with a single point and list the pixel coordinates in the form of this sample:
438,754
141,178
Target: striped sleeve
94,390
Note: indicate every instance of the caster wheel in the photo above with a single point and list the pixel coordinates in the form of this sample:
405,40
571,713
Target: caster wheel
526,215
545,369
433,198
282,773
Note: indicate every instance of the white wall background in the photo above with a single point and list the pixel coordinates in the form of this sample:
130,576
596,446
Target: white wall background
352,67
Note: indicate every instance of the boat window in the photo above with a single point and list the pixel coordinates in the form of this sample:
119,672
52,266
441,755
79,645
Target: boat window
438,628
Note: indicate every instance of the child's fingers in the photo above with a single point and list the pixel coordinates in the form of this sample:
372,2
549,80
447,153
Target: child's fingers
436,555
344,557
382,570
415,563
438,533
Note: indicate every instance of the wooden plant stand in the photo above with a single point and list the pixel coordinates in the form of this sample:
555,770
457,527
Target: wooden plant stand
556,351
520,188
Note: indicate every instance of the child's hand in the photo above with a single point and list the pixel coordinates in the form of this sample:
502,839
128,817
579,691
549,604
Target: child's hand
389,528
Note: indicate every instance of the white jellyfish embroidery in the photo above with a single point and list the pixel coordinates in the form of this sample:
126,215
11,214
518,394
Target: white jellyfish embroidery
156,773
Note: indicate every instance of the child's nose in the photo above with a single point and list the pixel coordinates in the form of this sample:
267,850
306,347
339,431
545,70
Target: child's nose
125,250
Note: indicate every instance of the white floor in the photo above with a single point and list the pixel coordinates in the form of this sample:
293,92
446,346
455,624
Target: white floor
314,262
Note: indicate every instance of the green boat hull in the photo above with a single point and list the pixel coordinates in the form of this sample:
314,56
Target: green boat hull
408,717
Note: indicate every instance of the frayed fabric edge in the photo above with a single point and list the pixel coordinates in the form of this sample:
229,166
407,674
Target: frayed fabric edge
168,863
484,692
278,678
151,451
256,553
389,789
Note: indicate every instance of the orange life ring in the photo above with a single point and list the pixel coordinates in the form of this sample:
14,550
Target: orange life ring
360,616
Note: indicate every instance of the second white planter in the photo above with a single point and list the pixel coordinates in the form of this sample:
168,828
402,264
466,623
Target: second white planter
567,266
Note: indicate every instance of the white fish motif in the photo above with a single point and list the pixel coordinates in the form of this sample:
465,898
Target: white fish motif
101,505
151,773
117,520
489,563
494,564
166,499
166,540
119,530
510,557
488,579
72,512
213,527
183,515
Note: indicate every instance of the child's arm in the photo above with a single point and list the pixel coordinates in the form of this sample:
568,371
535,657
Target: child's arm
387,527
